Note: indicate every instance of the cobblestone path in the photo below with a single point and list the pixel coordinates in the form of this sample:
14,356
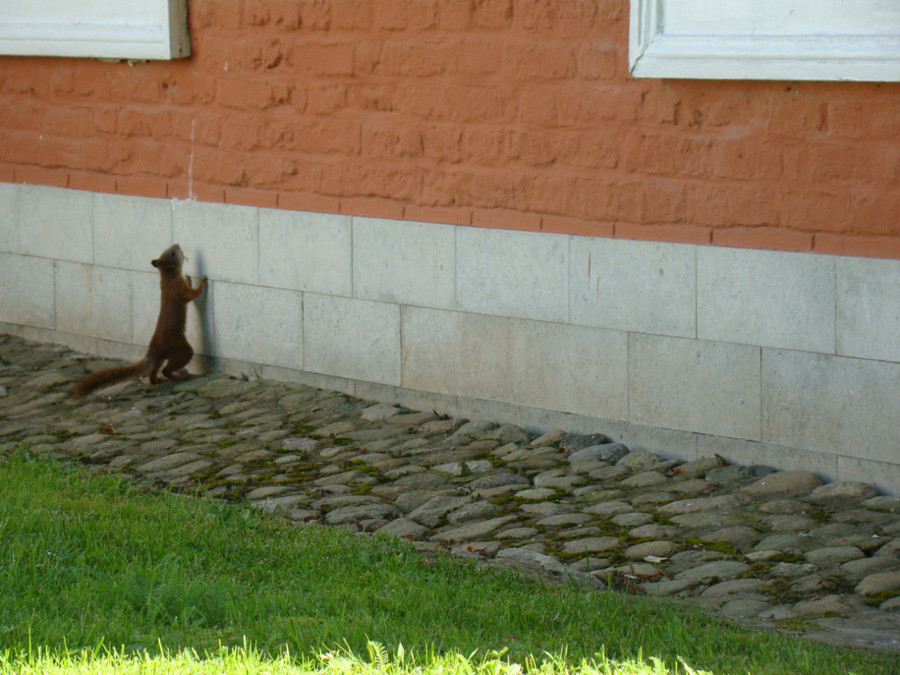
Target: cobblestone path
774,549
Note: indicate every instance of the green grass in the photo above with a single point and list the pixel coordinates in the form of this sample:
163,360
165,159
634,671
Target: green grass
93,569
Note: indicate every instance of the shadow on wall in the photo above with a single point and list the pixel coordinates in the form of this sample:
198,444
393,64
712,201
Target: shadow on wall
205,308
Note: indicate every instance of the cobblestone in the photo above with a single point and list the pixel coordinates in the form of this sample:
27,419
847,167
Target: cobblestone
766,548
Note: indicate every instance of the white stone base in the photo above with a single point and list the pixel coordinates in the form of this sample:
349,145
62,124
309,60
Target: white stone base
786,359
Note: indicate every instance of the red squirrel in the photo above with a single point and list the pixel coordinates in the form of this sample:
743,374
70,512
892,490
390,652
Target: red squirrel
168,344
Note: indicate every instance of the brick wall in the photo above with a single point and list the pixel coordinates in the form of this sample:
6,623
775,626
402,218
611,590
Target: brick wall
504,113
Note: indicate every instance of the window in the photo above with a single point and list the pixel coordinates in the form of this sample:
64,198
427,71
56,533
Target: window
116,29
766,39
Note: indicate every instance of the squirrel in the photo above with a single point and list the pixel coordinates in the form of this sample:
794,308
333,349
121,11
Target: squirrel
168,343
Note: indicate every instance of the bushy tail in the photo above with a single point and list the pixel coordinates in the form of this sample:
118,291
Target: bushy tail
111,376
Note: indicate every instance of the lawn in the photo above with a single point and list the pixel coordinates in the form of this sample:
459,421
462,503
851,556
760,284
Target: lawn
98,577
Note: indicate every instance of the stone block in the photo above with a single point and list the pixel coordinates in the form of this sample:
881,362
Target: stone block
93,301
145,306
509,273
455,353
9,218
640,286
221,241
694,385
868,308
405,263
831,404
357,339
258,324
766,298
129,232
28,291
56,223
305,251
569,368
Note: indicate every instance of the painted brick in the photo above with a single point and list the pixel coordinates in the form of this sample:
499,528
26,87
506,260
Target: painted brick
321,98
764,237
668,154
307,201
861,120
250,197
873,247
546,61
92,182
323,58
535,91
815,209
735,203
677,234
506,220
480,56
597,61
372,208
142,186
875,211
663,201
415,59
796,114
350,14
832,244
440,215
590,104
423,14
205,192
34,175
315,14
577,226
832,160
660,104
180,189
391,140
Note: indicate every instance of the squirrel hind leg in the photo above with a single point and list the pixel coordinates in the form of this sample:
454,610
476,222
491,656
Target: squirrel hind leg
177,361
154,373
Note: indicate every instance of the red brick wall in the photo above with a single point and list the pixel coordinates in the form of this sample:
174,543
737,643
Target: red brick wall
504,113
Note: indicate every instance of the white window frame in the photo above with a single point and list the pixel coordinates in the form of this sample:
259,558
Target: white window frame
664,44
111,29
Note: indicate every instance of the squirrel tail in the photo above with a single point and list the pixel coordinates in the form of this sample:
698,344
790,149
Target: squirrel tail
111,376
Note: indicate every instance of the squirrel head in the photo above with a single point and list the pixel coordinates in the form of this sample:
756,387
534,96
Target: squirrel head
171,258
